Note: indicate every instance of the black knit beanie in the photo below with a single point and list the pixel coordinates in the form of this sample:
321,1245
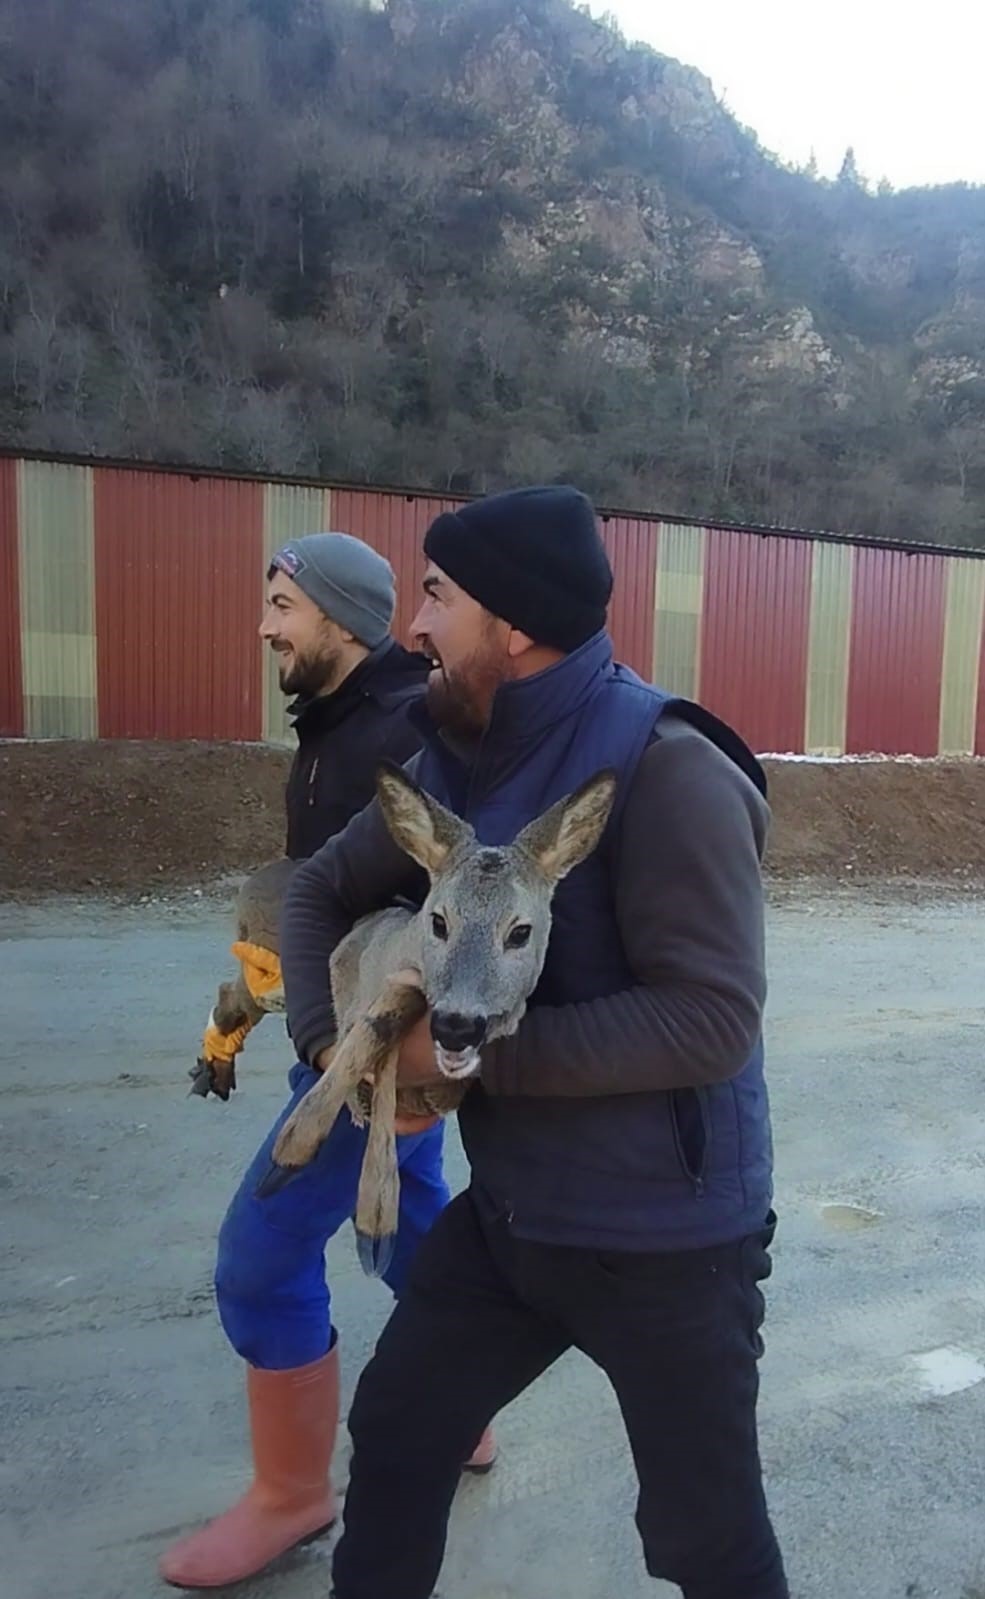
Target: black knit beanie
531,556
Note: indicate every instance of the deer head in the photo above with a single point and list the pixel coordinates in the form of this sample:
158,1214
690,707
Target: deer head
484,927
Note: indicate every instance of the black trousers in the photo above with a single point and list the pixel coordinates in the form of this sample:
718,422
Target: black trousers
483,1314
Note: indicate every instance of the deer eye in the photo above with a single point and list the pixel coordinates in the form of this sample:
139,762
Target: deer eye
439,926
519,938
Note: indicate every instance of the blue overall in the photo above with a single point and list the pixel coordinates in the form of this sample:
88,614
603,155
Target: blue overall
271,1288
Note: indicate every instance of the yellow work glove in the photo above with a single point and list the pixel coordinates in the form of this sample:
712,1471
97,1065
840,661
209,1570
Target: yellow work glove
215,1070
261,968
224,1046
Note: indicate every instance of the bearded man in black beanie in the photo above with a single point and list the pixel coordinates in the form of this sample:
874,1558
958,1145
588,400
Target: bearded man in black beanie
619,1142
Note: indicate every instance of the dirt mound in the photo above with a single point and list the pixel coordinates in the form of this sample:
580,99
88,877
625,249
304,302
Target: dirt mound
135,818
131,819
873,820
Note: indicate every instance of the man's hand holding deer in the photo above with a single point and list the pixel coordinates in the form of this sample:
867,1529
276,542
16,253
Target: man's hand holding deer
417,1068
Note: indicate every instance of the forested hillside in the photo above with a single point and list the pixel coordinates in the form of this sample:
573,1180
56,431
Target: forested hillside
459,243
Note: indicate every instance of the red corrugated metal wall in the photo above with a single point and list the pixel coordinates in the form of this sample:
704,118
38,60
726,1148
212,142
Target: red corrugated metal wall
754,636
178,576
632,549
11,683
395,524
896,653
178,587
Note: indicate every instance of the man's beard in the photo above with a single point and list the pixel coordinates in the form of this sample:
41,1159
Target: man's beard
305,675
460,700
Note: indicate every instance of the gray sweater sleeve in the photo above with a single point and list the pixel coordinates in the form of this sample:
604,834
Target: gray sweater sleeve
358,871
689,906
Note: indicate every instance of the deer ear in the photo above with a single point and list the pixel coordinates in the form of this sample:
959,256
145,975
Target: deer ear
566,834
417,822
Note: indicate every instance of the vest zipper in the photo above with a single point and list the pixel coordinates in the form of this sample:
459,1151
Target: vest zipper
473,776
311,780
476,771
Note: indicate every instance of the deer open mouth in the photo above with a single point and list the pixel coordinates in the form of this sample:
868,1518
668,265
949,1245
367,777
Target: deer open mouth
457,1062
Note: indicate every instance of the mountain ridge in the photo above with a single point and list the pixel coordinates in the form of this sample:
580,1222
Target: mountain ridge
457,245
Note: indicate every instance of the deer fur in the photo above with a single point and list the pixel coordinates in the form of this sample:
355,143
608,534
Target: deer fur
471,956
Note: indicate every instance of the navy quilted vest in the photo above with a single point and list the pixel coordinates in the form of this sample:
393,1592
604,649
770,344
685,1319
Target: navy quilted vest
631,1171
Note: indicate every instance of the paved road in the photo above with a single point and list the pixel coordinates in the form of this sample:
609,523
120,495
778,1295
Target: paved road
120,1407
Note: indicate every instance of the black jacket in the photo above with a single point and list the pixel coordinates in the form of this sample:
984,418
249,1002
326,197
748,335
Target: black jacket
341,739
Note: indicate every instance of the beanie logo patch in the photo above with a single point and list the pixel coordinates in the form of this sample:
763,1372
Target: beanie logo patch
289,561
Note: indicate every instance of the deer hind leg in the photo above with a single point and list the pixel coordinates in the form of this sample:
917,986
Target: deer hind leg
378,1202
235,1006
234,1012
363,1051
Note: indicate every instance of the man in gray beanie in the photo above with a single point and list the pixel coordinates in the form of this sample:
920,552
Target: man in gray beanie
349,584
330,605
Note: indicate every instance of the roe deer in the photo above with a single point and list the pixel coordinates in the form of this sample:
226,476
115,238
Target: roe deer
471,956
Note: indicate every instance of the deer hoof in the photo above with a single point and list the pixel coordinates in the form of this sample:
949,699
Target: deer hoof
375,1254
210,1077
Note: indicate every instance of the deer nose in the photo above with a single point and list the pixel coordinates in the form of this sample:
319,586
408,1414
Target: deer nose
455,1033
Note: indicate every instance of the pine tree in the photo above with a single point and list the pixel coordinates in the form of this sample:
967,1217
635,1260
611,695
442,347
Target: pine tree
849,173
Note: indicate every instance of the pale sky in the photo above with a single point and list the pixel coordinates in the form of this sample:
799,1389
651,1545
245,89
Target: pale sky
901,82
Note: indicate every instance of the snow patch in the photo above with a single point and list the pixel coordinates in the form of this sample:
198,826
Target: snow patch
875,760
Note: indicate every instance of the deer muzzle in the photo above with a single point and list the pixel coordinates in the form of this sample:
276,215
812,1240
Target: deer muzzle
457,1041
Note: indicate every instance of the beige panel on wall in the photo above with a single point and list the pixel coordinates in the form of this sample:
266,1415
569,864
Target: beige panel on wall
827,654
58,642
962,656
289,512
678,594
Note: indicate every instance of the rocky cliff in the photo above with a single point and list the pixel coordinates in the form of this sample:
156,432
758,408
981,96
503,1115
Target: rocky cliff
458,243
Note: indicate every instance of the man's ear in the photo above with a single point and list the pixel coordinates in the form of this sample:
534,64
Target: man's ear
518,644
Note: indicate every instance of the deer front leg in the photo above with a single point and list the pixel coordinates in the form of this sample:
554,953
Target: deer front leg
363,1052
378,1201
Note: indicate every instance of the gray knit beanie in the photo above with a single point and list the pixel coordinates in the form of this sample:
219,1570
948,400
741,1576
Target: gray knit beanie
347,580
